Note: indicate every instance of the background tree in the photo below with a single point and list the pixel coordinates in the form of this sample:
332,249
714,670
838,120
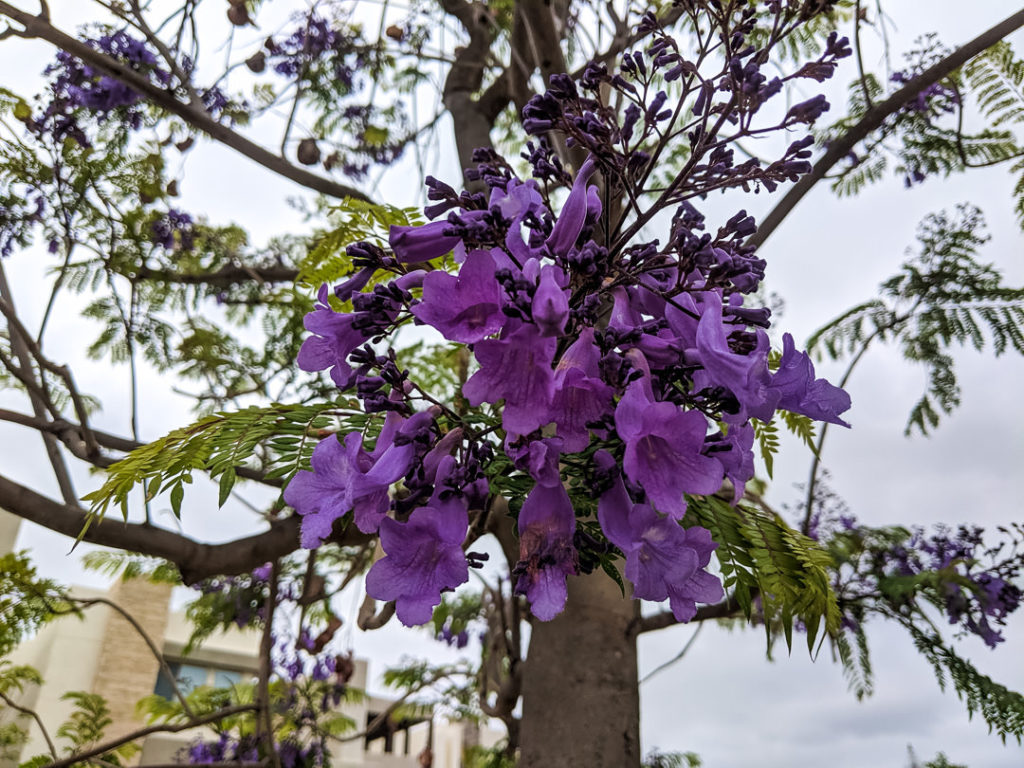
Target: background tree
89,171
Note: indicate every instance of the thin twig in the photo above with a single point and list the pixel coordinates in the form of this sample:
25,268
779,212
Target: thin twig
35,716
195,722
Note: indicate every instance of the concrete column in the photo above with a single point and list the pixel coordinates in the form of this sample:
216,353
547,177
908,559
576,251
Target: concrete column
127,669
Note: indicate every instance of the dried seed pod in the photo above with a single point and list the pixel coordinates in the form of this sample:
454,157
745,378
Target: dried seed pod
308,152
239,15
257,62
395,32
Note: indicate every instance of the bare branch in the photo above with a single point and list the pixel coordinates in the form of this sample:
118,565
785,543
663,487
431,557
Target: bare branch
40,403
194,560
227,275
194,722
86,602
874,118
725,609
264,721
368,618
35,716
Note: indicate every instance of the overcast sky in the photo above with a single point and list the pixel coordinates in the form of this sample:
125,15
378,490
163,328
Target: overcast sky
724,700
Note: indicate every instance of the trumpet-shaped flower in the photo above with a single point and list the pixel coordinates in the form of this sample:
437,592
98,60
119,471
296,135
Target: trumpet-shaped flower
423,557
663,449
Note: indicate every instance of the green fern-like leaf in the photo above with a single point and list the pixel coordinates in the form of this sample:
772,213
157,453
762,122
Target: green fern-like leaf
285,435
1001,708
355,220
996,77
760,554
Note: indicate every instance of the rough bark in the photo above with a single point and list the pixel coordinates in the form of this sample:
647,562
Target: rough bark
581,704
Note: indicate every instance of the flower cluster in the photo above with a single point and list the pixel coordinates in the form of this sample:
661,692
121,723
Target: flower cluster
974,597
174,229
975,584
640,362
77,89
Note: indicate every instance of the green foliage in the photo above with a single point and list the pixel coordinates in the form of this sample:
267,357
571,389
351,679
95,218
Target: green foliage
932,141
760,555
353,220
14,679
939,761
487,757
767,436
854,654
117,564
283,436
996,77
1001,708
288,701
86,726
27,601
437,368
942,298
656,759
435,688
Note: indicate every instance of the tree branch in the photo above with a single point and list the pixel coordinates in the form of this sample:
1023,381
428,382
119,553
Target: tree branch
38,27
164,667
194,560
37,396
725,609
229,274
874,118
96,751
35,716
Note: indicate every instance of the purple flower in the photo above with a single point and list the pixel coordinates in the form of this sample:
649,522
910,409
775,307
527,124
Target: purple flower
335,338
800,392
423,558
738,460
663,449
581,397
550,304
345,477
516,368
537,457
574,213
663,560
745,375
421,243
546,553
466,308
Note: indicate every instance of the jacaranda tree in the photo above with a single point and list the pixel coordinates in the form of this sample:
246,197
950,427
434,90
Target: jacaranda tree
561,361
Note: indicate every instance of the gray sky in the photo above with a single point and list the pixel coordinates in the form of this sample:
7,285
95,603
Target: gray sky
724,700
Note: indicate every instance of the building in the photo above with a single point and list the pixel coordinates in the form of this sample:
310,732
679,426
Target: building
103,653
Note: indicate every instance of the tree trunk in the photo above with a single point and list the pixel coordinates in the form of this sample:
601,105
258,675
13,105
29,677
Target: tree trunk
581,704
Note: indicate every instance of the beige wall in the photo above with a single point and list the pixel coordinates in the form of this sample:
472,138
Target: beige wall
104,654
65,653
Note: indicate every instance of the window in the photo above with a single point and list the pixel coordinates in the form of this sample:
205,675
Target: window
192,676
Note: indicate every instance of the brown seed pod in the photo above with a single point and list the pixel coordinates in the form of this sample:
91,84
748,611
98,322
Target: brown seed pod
257,62
395,32
239,15
172,188
308,152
